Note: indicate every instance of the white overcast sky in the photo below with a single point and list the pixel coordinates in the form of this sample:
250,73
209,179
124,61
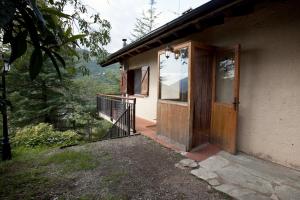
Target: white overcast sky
122,14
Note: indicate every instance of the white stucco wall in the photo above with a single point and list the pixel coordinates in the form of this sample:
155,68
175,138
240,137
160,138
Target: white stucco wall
269,115
146,107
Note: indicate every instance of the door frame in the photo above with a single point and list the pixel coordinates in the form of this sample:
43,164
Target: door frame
234,107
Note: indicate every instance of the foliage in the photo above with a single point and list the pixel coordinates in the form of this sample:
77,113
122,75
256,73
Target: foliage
44,135
48,30
45,35
68,103
82,98
146,23
40,100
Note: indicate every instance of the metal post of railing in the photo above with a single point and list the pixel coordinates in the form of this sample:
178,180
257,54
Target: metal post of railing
133,117
111,117
128,120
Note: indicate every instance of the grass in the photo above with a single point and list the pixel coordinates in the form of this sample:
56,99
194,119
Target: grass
71,161
36,173
21,178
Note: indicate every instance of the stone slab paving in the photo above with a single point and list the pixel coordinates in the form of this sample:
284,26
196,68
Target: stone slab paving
245,177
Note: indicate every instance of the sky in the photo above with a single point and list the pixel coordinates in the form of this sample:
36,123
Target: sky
122,15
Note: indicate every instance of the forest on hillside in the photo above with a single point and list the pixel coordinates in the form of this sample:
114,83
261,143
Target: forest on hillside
66,104
54,76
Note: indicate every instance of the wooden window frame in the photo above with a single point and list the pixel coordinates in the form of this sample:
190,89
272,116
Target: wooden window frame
145,82
188,45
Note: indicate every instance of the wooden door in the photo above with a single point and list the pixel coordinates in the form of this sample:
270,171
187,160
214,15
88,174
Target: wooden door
201,96
225,98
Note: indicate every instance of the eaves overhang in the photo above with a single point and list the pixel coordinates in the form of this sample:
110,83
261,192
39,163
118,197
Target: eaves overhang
209,14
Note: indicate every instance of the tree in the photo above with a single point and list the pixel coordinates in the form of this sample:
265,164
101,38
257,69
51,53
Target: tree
68,102
43,38
43,99
47,29
146,23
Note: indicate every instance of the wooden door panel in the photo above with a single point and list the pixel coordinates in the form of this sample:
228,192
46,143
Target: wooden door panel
173,121
201,79
225,100
223,132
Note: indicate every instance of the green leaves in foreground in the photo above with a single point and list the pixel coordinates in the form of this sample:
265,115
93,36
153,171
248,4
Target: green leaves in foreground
44,27
36,62
18,46
56,12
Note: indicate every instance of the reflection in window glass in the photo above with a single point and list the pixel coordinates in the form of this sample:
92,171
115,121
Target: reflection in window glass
137,81
174,76
225,77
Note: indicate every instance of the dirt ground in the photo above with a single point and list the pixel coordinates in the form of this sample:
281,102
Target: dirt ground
127,168
138,168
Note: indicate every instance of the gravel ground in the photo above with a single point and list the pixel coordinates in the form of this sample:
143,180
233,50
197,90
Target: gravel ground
135,168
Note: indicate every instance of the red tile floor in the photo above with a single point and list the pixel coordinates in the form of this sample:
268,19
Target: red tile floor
148,129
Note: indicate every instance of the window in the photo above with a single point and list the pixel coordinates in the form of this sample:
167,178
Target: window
137,75
225,77
135,82
174,76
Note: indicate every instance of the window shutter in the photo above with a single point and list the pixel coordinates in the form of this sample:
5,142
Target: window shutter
145,81
123,82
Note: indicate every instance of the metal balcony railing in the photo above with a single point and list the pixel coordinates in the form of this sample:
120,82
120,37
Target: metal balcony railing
120,111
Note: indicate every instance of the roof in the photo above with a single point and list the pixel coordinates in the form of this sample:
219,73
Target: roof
204,16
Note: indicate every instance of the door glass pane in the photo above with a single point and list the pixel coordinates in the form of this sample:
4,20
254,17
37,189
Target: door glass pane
225,77
174,76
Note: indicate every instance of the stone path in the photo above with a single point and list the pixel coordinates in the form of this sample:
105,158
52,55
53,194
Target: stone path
245,177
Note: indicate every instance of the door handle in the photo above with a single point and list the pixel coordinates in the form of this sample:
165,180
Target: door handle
236,103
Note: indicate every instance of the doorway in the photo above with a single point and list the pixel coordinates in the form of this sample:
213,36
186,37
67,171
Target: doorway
225,98
201,93
215,96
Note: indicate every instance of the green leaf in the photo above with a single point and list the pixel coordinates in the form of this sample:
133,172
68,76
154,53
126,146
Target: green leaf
61,60
68,31
55,64
56,12
37,12
75,37
36,62
73,52
31,28
18,46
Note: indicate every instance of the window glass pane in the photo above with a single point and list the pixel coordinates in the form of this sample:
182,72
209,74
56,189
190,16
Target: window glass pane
225,77
174,76
137,81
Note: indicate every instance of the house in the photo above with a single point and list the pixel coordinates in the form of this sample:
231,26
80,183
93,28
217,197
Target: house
226,73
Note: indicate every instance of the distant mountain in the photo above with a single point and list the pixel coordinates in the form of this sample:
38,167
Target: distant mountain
97,72
95,69
104,79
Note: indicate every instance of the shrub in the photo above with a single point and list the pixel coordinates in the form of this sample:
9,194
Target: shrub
100,129
44,135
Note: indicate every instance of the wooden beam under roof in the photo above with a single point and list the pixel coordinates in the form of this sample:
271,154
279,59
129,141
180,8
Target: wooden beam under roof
164,35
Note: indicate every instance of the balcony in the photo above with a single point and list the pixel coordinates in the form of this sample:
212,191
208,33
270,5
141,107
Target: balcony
120,111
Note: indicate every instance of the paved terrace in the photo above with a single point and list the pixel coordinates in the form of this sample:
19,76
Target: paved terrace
242,177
